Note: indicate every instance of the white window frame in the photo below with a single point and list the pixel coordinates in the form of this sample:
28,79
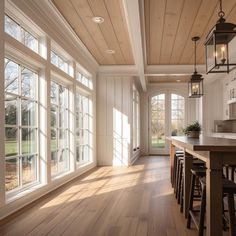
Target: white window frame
21,188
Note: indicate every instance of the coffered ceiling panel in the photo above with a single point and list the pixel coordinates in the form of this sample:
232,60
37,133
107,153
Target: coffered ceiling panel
112,34
170,25
168,79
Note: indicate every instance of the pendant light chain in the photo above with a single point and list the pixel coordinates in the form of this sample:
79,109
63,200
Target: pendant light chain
195,57
221,13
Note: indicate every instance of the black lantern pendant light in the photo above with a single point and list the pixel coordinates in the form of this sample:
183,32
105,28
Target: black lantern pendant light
220,46
195,85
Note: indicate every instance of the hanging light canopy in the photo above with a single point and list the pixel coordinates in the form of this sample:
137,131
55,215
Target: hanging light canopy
220,55
195,85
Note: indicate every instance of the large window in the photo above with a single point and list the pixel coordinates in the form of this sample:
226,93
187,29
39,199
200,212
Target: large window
177,115
19,33
59,129
20,125
83,129
136,119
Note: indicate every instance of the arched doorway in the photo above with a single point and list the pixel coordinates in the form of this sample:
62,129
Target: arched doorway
166,118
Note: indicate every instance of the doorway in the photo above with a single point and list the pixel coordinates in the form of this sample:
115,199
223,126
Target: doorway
166,118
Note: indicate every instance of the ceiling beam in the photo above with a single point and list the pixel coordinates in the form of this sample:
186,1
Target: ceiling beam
155,70
119,70
132,14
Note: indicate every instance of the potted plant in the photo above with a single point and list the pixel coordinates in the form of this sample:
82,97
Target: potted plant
193,130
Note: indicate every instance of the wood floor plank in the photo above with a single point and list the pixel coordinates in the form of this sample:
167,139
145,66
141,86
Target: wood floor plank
134,201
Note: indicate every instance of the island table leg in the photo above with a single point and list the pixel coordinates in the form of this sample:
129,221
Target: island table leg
214,195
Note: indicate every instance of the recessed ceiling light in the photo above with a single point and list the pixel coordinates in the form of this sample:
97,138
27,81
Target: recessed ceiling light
98,19
178,80
110,51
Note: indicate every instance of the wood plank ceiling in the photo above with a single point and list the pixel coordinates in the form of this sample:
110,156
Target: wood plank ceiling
168,79
170,25
98,38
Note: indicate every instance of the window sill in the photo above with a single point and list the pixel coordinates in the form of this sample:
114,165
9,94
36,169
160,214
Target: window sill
11,197
84,164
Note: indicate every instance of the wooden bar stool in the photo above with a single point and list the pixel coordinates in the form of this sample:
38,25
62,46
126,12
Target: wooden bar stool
229,189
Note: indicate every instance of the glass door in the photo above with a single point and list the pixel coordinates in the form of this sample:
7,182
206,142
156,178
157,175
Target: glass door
166,118
157,124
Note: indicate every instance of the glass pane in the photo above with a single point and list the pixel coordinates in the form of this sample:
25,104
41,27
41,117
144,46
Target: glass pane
28,144
177,115
10,110
53,139
30,41
62,138
158,121
62,118
54,92
12,28
62,64
63,96
63,160
28,83
28,113
54,58
77,154
29,169
11,175
11,76
54,167
158,134
53,116
11,142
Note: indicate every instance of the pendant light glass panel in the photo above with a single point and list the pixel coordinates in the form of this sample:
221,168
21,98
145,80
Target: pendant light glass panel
195,88
220,52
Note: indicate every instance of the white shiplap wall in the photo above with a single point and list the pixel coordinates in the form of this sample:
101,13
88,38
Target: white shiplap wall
114,120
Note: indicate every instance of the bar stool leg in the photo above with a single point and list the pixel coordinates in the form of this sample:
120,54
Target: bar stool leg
230,199
179,183
202,212
191,200
177,177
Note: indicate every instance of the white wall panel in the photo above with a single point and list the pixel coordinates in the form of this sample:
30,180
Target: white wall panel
114,120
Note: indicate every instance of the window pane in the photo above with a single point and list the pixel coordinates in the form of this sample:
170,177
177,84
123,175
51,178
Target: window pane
62,118
53,116
28,144
11,175
10,110
63,160
63,96
53,139
11,76
62,138
28,110
28,83
158,121
54,160
29,169
54,58
54,93
11,142
30,41
12,28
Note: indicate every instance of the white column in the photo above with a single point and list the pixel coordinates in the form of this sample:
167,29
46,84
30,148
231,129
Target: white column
2,114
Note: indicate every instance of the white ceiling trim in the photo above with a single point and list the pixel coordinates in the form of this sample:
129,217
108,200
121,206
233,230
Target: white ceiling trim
155,70
123,70
133,20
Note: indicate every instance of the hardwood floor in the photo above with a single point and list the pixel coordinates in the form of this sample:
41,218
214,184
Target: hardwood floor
108,201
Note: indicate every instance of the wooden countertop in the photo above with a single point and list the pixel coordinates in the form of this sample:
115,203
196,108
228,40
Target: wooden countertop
205,143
